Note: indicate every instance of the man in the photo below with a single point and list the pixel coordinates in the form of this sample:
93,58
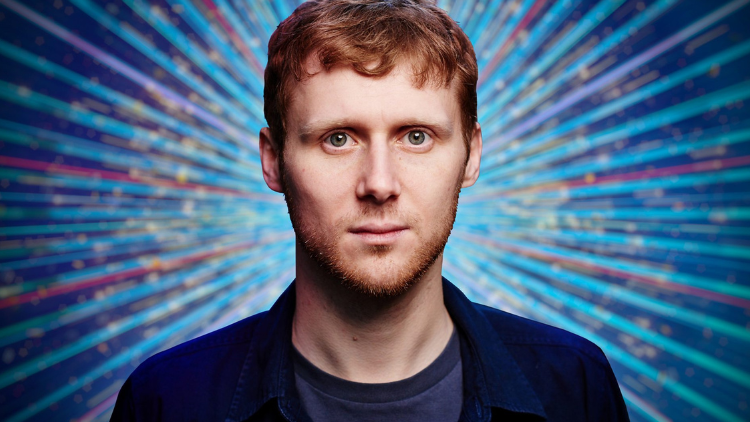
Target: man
372,134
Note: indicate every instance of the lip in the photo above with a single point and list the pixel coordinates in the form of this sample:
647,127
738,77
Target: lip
379,234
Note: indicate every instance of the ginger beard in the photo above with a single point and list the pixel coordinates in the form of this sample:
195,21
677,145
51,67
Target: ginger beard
324,249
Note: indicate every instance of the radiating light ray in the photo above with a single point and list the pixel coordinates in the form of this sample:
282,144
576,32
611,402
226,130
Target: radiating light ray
556,14
547,313
250,75
518,27
136,163
146,316
582,28
92,182
140,243
619,293
186,323
482,13
622,103
116,99
114,127
616,322
120,226
99,275
643,408
644,153
490,29
145,47
623,69
147,82
574,69
684,282
578,145
72,174
77,312
612,200
641,241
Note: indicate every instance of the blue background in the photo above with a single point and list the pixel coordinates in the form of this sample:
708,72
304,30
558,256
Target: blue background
613,200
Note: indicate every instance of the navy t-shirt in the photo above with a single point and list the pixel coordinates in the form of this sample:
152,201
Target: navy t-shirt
433,394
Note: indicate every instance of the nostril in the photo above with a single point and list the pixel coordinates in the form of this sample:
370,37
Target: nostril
379,177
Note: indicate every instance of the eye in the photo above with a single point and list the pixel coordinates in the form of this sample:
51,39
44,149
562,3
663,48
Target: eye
416,137
338,139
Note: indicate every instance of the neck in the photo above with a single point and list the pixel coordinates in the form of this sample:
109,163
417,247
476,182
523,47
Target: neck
365,339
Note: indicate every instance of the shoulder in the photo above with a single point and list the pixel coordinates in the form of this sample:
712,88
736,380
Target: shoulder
517,332
180,380
209,349
570,375
538,345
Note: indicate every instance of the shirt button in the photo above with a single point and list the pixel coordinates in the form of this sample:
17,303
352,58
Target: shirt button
477,408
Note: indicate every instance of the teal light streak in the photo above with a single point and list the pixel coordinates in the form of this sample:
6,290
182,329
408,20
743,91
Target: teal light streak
615,292
599,313
651,90
120,100
555,82
117,157
476,27
172,330
666,116
638,155
505,32
102,123
583,26
236,64
129,188
127,245
117,65
147,316
80,311
132,37
634,268
546,313
54,228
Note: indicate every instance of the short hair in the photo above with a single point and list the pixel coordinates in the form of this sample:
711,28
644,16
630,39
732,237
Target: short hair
373,37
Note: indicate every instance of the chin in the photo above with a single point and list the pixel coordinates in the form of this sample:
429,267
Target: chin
381,277
379,287
380,250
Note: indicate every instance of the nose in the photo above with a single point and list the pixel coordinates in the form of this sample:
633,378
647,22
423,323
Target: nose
379,179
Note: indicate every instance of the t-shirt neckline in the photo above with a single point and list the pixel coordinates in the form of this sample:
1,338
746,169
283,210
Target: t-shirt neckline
380,392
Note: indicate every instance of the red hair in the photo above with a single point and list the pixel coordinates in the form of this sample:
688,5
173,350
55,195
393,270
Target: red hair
372,37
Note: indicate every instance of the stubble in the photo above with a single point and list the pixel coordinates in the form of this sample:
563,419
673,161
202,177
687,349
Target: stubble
391,279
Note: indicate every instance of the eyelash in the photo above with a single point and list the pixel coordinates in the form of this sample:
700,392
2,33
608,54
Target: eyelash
329,138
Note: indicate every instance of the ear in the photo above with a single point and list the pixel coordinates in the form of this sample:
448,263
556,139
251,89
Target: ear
269,160
471,173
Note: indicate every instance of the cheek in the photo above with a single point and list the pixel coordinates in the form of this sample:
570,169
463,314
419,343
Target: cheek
433,179
317,194
434,201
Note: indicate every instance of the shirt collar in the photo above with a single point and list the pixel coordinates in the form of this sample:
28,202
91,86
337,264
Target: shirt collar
492,378
268,370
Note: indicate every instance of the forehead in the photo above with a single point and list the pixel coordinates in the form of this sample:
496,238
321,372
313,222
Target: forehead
347,96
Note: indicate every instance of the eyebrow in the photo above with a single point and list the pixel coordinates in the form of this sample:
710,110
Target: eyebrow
307,130
444,129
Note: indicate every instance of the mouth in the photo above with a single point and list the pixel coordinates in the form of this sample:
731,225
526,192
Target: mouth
379,234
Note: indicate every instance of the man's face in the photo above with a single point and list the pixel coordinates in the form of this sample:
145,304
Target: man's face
372,168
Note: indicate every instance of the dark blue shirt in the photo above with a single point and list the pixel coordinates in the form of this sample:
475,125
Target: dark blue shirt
434,394
513,369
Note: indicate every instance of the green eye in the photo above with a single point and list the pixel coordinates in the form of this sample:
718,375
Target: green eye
417,137
338,139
